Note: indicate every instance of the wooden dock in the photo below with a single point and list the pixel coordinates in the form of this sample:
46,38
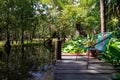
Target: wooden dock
70,68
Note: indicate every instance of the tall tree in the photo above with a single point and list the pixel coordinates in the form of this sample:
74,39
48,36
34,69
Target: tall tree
102,11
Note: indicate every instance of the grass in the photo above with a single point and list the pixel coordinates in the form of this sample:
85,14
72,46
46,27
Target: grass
26,43
2,43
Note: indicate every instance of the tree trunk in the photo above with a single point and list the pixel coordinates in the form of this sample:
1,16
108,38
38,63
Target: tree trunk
7,46
102,11
22,43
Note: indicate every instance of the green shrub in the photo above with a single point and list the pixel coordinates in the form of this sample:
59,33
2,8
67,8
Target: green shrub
72,46
113,52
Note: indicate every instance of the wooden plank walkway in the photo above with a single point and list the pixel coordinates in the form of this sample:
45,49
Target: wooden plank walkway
71,69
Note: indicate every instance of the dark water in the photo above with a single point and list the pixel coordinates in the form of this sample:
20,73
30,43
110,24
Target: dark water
35,58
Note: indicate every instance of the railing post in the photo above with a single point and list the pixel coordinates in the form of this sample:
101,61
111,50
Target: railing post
58,49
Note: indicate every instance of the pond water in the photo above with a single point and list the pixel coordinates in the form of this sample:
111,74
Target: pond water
33,63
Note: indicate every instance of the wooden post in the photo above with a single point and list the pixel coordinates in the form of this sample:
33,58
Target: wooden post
58,49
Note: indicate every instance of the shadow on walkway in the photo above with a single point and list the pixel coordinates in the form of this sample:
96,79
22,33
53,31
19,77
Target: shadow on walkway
70,68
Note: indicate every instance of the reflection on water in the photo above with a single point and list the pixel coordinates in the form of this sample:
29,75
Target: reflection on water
35,72
35,61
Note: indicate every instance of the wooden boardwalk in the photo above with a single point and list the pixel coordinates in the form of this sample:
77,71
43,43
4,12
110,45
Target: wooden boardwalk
71,69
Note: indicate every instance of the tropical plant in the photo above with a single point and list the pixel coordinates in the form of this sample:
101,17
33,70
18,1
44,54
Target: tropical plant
112,54
72,46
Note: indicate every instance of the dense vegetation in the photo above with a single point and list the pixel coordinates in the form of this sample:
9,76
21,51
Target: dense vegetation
28,29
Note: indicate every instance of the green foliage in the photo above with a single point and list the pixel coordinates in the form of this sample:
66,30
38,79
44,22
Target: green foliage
41,18
116,76
72,46
113,52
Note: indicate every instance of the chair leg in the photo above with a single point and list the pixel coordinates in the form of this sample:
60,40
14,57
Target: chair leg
88,56
76,56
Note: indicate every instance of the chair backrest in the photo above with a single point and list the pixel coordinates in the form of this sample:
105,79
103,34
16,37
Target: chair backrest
102,41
